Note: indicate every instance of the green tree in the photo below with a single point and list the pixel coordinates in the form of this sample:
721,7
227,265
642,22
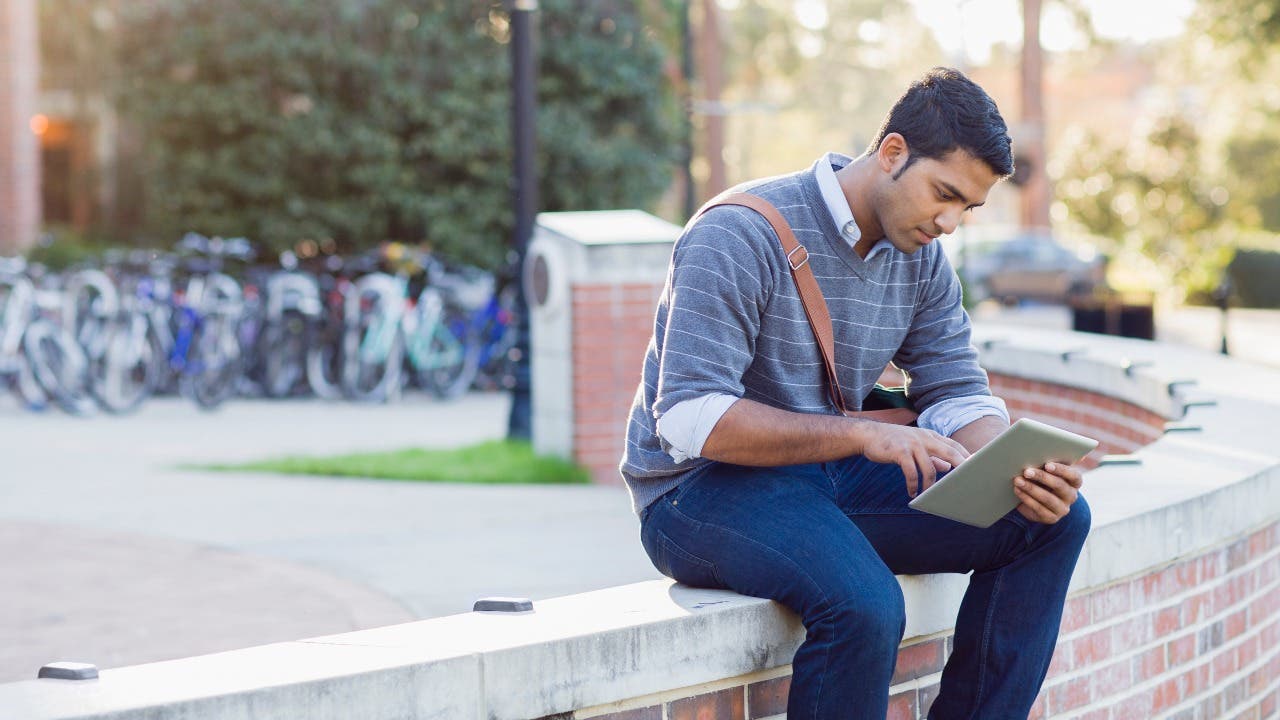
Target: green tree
385,119
1155,197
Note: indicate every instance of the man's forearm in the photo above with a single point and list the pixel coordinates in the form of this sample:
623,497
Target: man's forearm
980,432
752,433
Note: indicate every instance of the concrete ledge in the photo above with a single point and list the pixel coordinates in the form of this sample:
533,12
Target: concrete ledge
1193,491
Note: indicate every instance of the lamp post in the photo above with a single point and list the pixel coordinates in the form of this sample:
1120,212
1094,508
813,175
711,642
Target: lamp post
524,189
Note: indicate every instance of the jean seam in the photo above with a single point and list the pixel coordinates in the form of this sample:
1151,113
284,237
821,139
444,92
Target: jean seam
673,546
986,642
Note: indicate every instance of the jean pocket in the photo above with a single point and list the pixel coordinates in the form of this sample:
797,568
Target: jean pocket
678,564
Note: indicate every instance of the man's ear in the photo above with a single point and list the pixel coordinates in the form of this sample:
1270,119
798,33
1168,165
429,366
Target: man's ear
893,153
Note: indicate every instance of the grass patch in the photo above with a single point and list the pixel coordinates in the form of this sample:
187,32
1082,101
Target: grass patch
489,463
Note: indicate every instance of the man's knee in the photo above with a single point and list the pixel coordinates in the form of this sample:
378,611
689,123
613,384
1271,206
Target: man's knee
868,617
1077,522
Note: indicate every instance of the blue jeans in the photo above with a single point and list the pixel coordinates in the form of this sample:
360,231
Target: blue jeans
826,540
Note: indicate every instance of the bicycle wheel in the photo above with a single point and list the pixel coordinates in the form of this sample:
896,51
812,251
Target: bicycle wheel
376,373
130,366
451,356
59,366
324,366
213,370
284,348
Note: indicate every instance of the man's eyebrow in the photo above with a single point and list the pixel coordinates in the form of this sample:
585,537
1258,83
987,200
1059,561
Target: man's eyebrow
951,189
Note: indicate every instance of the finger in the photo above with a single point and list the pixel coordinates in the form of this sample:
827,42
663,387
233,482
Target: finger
961,449
945,449
940,465
909,472
1070,473
1053,483
1031,508
1036,509
924,461
1043,495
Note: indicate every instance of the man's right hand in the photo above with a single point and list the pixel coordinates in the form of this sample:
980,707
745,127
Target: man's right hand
921,453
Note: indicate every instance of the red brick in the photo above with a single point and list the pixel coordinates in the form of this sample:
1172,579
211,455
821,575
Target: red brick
1237,554
1181,650
1210,707
726,704
1224,665
1090,649
1230,593
1167,694
1137,707
1110,602
1196,608
901,706
1264,607
1167,621
1149,664
1112,680
1075,614
918,660
1247,652
1099,714
1236,624
1270,704
1061,662
1131,633
1212,565
926,695
768,697
1039,708
1070,695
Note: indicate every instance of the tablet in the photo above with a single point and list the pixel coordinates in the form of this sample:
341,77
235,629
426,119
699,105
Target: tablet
979,491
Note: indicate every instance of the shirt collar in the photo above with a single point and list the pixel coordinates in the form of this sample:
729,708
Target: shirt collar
838,206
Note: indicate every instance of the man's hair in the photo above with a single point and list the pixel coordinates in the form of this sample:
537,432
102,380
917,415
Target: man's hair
946,111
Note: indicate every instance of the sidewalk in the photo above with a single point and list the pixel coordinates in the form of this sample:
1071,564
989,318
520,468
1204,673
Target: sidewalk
112,555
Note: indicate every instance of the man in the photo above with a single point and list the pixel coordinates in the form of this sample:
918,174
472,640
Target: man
747,477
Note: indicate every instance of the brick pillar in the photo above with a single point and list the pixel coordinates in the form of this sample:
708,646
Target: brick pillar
593,280
19,149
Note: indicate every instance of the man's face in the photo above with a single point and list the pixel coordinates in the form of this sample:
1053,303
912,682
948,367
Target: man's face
930,197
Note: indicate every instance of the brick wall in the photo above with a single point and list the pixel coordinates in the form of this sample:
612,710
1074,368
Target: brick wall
19,151
1119,427
611,328
1194,640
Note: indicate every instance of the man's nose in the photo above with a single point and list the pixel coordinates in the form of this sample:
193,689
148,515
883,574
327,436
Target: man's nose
947,221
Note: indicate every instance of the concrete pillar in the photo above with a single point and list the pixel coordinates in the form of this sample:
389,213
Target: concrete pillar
19,148
593,281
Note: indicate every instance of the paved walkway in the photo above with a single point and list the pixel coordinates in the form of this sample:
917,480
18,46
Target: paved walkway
112,554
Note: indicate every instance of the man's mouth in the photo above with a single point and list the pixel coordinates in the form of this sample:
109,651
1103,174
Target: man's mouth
925,238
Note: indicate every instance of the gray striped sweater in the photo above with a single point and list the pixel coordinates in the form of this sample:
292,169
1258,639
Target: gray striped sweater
729,320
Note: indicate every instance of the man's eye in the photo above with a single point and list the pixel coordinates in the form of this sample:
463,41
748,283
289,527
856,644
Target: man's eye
945,197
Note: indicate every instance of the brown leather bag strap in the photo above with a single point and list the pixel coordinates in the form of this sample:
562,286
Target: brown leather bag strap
815,305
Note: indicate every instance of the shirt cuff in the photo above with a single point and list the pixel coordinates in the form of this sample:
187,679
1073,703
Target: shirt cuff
687,425
948,416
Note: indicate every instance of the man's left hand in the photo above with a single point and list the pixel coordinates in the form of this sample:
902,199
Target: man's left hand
1047,493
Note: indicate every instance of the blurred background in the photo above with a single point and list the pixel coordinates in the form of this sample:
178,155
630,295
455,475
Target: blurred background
1143,128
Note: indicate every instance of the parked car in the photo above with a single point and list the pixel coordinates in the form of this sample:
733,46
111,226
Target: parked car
1025,266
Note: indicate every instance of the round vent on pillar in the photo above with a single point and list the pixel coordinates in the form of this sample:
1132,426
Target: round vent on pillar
546,278
539,281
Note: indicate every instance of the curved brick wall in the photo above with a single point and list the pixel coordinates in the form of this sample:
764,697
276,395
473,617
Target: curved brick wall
1119,426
